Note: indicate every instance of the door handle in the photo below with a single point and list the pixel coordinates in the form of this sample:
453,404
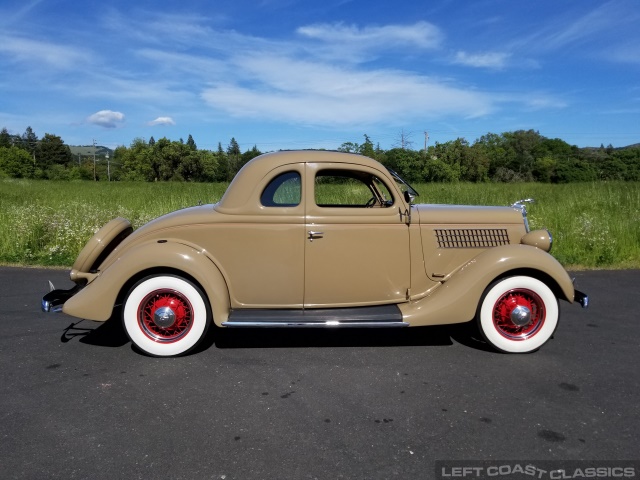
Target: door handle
313,235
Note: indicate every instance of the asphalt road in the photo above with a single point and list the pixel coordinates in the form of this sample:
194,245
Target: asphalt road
76,401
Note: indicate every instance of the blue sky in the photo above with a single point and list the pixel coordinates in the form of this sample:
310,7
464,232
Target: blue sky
303,74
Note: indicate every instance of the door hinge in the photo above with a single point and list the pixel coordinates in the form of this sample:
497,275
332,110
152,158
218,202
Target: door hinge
408,294
405,216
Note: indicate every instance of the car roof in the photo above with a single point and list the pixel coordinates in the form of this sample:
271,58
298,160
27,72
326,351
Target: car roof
251,174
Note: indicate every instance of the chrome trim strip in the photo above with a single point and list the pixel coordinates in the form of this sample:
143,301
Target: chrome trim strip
331,323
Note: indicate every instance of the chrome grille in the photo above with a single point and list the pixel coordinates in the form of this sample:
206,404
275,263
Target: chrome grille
472,238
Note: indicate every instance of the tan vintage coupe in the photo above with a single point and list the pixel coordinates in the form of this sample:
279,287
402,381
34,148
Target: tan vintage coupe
320,239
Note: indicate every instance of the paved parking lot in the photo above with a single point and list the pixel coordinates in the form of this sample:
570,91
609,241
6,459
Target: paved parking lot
76,401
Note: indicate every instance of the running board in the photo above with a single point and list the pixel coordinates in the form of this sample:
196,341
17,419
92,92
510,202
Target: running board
360,317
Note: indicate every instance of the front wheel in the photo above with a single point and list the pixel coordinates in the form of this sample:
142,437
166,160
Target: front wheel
165,316
518,314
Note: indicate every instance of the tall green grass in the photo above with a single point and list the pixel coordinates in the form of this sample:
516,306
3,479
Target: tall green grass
595,225
48,222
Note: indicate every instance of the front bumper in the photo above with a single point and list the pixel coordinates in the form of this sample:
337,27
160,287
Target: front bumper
582,298
53,301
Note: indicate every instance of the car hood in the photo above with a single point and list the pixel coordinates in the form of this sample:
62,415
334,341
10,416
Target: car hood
464,214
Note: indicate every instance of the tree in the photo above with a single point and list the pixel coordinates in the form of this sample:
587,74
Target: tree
6,140
544,169
366,148
349,147
249,155
233,157
209,162
493,147
404,141
222,173
190,166
29,142
136,161
408,163
191,143
16,162
521,148
436,170
574,170
167,157
51,152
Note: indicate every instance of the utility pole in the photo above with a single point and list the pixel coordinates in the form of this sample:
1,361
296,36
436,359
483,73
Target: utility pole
108,168
94,159
426,139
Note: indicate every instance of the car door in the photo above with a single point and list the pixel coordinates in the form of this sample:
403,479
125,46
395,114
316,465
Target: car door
357,244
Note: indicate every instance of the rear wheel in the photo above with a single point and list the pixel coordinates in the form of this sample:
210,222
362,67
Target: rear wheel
166,315
518,314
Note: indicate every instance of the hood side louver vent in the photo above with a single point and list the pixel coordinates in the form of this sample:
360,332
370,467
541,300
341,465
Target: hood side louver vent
471,238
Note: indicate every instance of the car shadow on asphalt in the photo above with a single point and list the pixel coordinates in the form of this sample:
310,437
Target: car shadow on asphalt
101,334
111,334
442,335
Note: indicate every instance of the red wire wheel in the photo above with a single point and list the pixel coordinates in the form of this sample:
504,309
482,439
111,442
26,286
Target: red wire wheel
165,315
519,314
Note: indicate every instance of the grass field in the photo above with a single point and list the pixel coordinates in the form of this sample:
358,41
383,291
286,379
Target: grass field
595,225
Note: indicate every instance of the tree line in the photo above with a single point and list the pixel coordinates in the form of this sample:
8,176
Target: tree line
522,155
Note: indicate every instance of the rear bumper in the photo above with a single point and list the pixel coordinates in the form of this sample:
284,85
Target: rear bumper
53,301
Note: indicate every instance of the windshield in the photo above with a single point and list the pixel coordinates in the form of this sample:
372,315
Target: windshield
405,188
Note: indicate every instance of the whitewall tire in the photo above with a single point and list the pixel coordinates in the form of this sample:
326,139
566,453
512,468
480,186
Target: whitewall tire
518,314
166,315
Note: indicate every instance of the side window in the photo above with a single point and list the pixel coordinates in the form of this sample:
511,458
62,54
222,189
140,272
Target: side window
351,189
283,191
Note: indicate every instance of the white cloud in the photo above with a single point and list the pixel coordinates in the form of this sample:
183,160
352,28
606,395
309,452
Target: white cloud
608,21
355,44
162,121
106,119
326,75
34,52
12,16
494,60
420,34
320,94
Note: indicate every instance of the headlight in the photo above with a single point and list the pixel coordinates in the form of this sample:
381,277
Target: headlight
541,239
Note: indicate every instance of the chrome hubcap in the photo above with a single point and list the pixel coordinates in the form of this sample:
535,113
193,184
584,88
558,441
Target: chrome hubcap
521,316
164,317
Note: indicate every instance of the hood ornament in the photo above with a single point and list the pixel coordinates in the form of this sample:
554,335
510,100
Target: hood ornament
521,205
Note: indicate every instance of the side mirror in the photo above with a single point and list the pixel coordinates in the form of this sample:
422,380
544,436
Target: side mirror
408,197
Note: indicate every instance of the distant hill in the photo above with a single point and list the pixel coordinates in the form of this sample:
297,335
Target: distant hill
88,150
635,145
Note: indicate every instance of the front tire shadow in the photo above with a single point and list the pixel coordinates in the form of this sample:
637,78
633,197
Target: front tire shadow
468,334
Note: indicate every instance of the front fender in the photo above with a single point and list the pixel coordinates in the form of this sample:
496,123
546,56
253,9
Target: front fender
97,300
457,299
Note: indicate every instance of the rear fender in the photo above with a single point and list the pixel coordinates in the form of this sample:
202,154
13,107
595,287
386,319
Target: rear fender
97,300
457,299
98,248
